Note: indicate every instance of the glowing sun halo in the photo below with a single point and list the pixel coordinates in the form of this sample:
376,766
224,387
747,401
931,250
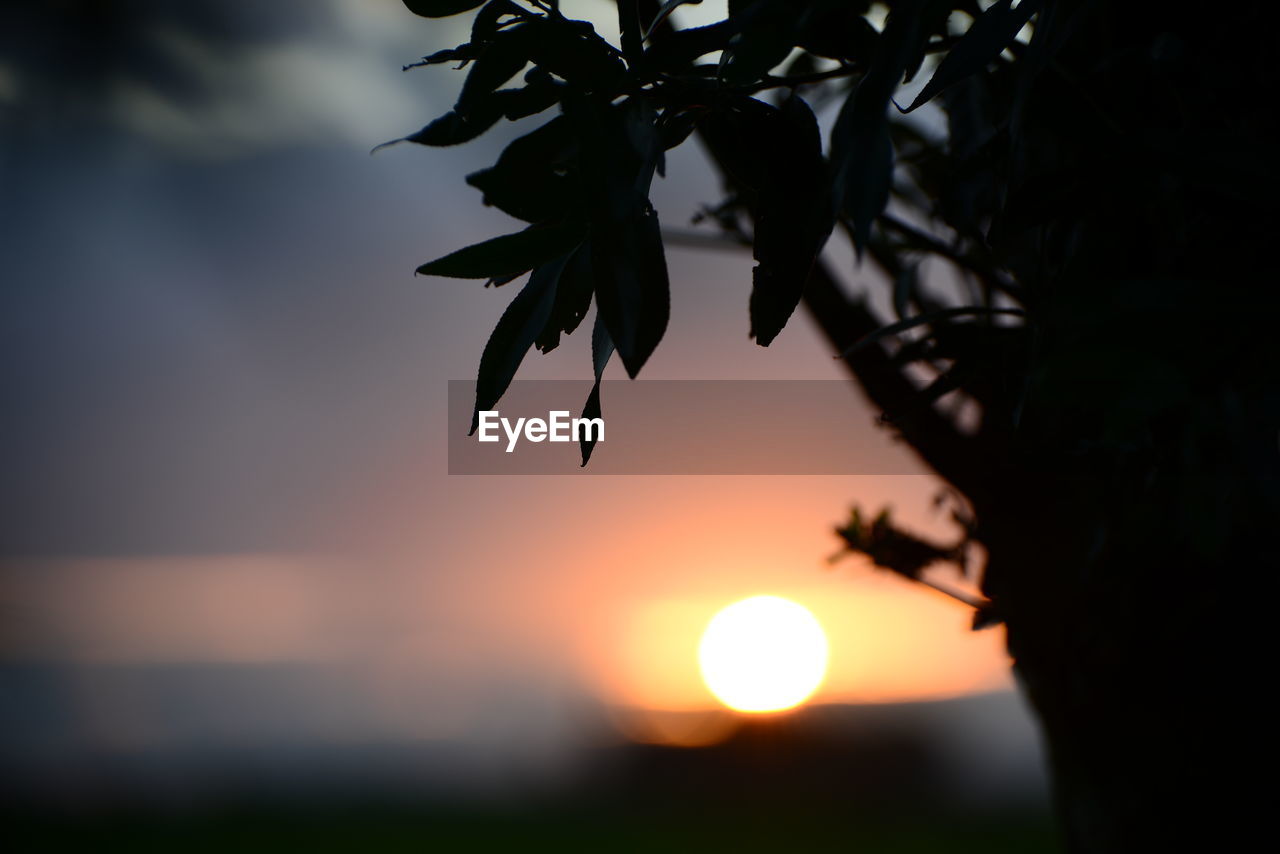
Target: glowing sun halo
763,654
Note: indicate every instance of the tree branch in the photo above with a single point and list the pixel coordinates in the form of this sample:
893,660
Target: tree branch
937,247
932,436
954,456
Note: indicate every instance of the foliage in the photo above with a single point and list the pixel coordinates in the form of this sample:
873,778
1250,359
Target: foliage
1084,238
582,179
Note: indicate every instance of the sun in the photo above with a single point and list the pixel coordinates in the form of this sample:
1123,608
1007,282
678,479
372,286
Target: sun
763,654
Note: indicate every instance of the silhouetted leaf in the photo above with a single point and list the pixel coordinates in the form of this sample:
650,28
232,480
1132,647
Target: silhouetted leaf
895,549
632,289
793,216
862,150
837,30
499,281
863,166
534,179
514,335
453,128
932,18
619,150
767,35
675,128
735,132
541,92
508,254
573,299
573,51
440,8
497,63
601,351
462,53
990,34
488,20
676,49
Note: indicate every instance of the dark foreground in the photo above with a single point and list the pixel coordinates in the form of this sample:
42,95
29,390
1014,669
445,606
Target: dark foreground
673,830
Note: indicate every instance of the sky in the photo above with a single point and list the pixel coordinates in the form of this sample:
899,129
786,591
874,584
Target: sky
228,518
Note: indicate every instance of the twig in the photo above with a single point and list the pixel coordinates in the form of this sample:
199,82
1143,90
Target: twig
933,244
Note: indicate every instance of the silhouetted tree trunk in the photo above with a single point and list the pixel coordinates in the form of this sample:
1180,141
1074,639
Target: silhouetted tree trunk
1126,619
1120,552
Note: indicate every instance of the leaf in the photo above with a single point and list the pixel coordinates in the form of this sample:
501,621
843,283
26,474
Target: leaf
733,133
601,351
573,299
932,18
619,147
631,285
861,146
837,31
440,8
768,32
514,335
541,92
497,63
489,19
793,217
992,32
508,254
676,127
462,53
681,47
535,179
573,51
568,49
499,281
921,319
453,128
864,167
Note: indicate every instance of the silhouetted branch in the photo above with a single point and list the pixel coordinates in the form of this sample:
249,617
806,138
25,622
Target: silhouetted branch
703,240
930,434
929,242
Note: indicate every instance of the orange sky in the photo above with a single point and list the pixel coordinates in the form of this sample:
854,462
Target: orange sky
617,596
298,453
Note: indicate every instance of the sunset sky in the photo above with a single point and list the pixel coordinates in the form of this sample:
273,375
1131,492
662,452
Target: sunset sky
225,430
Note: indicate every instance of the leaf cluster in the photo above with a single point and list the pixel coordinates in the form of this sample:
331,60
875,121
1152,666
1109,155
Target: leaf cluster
582,179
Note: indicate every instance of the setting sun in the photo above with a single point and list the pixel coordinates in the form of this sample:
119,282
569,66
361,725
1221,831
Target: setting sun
763,654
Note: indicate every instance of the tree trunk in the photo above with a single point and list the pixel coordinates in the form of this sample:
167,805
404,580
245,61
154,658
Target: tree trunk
1145,739
1128,623
1136,658
1125,529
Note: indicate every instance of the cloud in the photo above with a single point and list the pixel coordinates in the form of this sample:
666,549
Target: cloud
343,88
8,85
208,79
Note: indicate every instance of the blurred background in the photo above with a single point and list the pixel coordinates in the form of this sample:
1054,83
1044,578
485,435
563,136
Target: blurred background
242,601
